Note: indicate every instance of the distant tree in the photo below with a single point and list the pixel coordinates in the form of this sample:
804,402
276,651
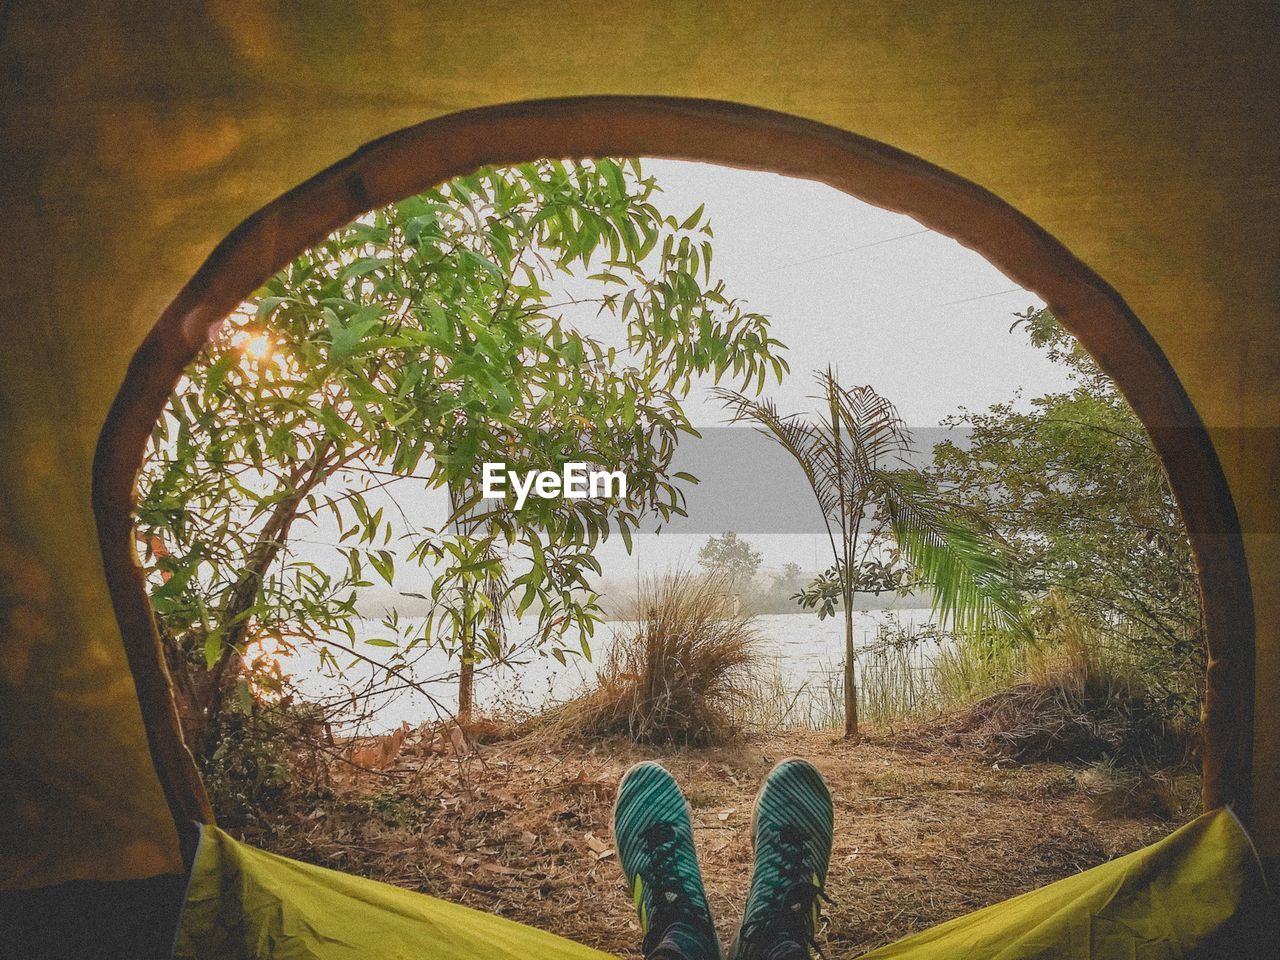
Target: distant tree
778,594
1075,488
852,455
791,574
730,557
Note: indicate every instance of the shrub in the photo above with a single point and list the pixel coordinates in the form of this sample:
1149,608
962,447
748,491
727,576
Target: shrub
264,754
247,771
676,671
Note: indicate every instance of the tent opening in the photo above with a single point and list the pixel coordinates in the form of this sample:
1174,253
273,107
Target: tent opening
318,308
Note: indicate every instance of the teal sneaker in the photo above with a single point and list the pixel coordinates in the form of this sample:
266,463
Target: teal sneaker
654,839
792,829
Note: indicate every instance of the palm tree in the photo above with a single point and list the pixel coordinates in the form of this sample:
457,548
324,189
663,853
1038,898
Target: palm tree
848,455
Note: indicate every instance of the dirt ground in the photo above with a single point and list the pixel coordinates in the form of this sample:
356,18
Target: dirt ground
924,831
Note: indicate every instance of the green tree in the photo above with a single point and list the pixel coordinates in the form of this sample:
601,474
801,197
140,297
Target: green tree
730,557
1076,489
851,455
414,345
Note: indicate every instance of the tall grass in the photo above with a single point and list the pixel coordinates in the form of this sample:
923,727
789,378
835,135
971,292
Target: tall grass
771,700
964,673
897,670
1068,696
678,673
895,683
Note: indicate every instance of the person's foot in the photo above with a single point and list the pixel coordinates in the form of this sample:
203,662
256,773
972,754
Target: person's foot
792,830
654,840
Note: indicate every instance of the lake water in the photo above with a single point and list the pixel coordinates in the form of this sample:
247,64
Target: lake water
804,652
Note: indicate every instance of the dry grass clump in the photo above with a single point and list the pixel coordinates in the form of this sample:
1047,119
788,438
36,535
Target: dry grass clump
676,673
1031,723
1116,793
1073,705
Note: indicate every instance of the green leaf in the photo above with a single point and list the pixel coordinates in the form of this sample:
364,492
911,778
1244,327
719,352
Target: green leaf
693,218
384,563
213,647
217,373
360,268
244,697
267,306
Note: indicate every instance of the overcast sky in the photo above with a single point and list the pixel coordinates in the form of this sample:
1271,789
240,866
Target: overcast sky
921,318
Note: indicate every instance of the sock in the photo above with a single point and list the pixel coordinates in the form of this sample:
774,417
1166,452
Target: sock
676,945
787,950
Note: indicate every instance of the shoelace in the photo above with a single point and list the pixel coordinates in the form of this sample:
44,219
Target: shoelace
788,913
670,900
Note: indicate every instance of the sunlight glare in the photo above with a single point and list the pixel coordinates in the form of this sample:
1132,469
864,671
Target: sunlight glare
258,347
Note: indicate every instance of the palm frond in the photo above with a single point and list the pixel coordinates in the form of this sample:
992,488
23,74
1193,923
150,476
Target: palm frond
974,589
809,447
876,434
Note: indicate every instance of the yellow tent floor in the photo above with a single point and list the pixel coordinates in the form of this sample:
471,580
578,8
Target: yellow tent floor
1198,893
